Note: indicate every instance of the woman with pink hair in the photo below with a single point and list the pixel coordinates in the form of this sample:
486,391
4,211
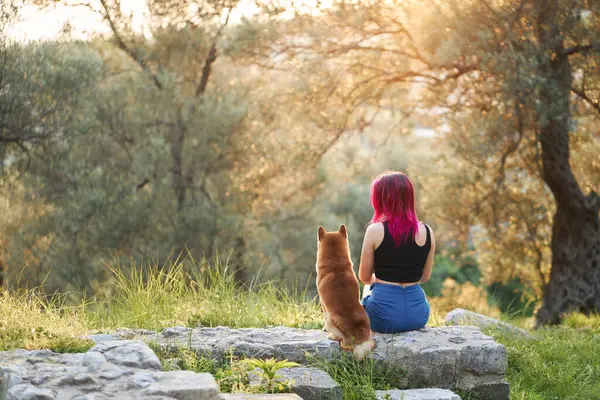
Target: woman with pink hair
397,256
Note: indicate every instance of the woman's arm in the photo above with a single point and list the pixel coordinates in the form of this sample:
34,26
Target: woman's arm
429,263
367,256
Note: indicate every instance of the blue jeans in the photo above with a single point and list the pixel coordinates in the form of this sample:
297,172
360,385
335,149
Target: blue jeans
393,308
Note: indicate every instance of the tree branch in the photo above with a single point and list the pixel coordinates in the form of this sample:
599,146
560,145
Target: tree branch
125,48
580,49
460,70
212,57
584,96
20,139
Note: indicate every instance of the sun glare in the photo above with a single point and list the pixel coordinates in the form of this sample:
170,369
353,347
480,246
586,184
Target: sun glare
81,22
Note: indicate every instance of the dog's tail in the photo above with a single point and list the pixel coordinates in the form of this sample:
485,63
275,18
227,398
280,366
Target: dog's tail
362,350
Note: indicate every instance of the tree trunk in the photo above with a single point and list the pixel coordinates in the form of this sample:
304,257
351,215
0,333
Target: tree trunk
177,143
575,276
240,273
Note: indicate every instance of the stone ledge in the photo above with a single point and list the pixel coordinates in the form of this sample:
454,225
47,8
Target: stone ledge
120,369
417,394
460,316
445,357
260,397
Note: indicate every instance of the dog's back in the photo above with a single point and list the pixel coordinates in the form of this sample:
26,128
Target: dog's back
339,293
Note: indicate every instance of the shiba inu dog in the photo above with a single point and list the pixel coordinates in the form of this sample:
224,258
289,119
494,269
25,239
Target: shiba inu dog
345,318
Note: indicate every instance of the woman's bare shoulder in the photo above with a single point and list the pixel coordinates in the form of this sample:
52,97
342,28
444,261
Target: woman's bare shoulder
375,228
375,233
425,227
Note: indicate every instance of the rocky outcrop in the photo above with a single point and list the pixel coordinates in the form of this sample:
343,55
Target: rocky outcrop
417,394
122,368
444,357
111,370
460,316
260,397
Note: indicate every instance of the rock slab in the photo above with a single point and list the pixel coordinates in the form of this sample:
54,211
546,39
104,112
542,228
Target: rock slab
120,369
417,394
307,382
444,357
460,316
260,397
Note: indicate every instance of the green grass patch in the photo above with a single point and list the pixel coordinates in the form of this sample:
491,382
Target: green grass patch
190,293
231,373
153,297
360,380
561,364
581,321
31,321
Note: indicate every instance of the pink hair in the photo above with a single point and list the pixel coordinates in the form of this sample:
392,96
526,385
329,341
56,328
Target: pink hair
393,199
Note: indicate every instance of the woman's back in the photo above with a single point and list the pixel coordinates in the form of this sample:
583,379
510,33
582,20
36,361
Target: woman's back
404,263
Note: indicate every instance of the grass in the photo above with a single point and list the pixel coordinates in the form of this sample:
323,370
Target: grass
31,321
360,380
231,373
580,321
193,293
563,363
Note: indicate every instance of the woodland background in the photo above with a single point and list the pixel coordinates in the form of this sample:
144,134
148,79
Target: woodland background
202,135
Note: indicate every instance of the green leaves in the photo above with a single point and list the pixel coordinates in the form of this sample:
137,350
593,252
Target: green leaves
268,372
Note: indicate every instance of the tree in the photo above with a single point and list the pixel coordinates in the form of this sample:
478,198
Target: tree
496,78
176,147
41,86
522,94
574,280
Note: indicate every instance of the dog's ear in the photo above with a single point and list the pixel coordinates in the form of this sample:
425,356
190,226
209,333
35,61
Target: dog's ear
343,231
321,233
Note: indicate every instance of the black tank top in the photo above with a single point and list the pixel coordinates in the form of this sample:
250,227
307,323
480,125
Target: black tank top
402,264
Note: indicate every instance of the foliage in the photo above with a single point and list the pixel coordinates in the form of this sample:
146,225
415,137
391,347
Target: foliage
466,295
268,373
232,374
42,88
513,298
233,377
179,147
498,174
152,167
484,79
451,264
195,133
